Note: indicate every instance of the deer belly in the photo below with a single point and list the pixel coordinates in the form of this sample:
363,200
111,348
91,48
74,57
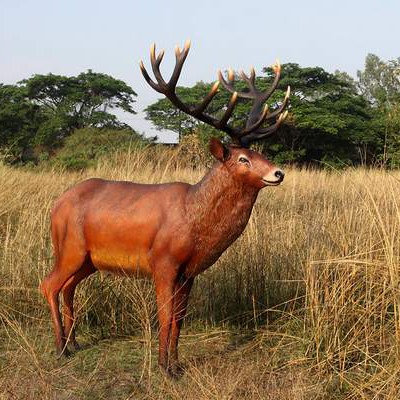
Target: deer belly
132,262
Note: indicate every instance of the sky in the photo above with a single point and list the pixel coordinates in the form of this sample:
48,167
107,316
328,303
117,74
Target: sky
71,36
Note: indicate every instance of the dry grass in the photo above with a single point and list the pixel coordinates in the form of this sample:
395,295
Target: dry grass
306,304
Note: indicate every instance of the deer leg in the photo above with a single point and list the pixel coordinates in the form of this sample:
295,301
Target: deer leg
165,279
51,286
68,292
181,297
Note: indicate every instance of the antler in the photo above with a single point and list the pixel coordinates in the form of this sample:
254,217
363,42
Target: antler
253,129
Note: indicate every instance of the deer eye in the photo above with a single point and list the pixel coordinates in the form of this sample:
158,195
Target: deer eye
244,160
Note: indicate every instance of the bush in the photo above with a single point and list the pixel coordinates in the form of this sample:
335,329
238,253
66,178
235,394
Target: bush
85,146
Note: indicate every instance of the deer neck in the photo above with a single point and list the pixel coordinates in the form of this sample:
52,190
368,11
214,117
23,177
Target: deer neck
219,206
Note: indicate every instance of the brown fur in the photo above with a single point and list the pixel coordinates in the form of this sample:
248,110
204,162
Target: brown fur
169,232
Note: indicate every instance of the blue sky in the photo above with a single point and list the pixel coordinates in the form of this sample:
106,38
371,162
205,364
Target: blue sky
71,36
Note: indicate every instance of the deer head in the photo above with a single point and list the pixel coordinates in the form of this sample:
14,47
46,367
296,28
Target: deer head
261,123
246,165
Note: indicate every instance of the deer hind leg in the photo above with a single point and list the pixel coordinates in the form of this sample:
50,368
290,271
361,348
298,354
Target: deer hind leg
68,291
69,261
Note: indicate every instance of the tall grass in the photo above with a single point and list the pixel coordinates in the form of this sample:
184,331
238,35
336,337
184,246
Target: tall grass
306,303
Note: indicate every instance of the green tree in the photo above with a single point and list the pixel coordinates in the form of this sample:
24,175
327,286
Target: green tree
380,81
380,84
330,121
77,102
19,122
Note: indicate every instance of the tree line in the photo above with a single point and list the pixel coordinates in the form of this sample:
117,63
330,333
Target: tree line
334,119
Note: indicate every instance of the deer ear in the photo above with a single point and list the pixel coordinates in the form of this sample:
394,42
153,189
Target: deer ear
219,150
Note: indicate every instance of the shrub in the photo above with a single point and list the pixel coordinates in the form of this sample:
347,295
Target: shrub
85,146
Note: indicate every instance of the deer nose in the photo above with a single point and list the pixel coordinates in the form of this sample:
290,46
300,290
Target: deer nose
279,174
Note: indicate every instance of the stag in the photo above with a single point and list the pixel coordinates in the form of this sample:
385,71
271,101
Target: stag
169,232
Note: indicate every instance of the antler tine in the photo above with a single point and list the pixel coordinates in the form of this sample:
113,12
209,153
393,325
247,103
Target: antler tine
277,70
147,78
180,59
271,129
252,74
229,110
155,64
228,86
207,100
281,107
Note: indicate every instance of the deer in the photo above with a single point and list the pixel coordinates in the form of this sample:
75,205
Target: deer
168,232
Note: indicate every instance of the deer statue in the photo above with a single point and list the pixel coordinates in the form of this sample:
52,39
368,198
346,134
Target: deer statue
169,232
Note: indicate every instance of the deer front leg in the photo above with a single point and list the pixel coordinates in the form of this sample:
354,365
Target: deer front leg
181,297
165,276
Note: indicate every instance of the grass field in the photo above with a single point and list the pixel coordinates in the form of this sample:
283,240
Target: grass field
304,305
